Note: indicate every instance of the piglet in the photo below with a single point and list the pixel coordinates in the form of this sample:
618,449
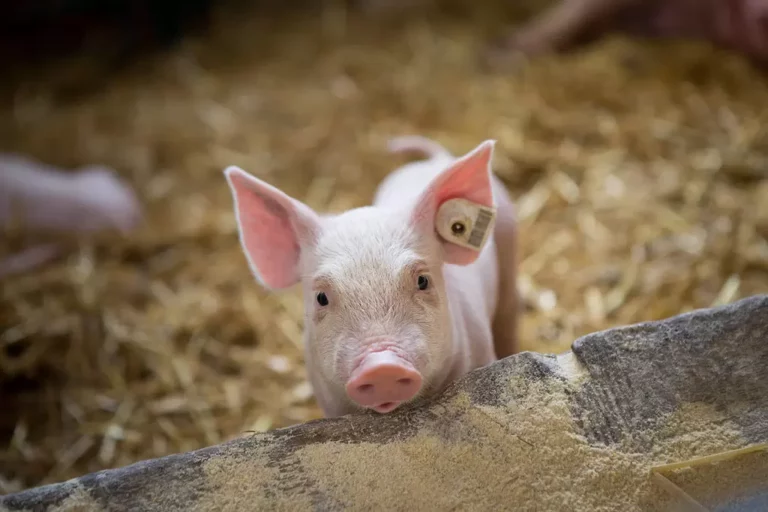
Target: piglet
42,199
737,25
400,299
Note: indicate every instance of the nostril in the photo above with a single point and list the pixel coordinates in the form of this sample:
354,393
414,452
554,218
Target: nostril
365,388
404,381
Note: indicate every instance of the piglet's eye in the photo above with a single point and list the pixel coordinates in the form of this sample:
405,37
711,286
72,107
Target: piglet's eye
322,299
423,282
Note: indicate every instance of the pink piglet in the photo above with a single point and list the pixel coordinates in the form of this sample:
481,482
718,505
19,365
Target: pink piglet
401,297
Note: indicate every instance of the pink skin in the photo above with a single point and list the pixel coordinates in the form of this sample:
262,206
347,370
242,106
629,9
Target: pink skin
738,25
49,200
392,311
383,380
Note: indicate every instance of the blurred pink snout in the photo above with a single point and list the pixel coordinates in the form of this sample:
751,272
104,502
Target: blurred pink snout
382,381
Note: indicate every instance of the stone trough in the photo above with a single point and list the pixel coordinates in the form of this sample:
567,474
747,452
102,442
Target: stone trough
579,431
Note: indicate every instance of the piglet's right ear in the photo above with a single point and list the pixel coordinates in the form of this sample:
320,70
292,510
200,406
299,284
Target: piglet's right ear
274,228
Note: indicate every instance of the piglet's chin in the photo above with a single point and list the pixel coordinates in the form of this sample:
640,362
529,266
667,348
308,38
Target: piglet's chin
382,381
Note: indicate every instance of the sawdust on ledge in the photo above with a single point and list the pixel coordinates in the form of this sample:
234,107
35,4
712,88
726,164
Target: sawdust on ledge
638,173
560,471
526,454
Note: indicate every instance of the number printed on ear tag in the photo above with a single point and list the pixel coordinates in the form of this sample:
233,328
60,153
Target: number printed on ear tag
465,223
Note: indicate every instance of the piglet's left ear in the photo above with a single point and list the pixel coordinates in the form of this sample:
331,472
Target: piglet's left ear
468,178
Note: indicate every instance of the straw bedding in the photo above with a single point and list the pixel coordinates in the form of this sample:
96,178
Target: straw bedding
639,171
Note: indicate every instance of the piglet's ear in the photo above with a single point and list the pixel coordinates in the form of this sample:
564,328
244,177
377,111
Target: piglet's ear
274,228
469,178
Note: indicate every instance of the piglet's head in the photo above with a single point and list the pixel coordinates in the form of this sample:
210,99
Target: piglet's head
377,324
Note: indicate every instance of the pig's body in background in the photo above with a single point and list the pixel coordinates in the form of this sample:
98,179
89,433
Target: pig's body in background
49,199
393,312
738,25
38,198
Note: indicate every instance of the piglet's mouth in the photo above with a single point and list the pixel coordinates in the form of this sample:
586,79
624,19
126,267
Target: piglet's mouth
382,381
386,407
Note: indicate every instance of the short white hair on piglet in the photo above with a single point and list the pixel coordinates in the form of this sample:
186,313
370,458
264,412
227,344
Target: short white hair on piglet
394,311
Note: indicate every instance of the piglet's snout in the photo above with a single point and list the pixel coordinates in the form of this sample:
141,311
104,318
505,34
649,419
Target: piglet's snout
382,381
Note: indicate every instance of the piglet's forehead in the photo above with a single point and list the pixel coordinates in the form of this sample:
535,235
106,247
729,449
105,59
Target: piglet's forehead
366,246
369,267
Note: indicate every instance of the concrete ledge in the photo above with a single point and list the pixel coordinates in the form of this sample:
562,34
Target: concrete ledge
579,431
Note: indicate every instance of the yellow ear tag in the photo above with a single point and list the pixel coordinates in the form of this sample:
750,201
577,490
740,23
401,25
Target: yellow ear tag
465,223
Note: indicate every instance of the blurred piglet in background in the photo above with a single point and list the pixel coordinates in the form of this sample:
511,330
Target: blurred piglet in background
403,297
37,198
737,25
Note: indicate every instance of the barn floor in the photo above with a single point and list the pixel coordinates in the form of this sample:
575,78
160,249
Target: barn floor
639,172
